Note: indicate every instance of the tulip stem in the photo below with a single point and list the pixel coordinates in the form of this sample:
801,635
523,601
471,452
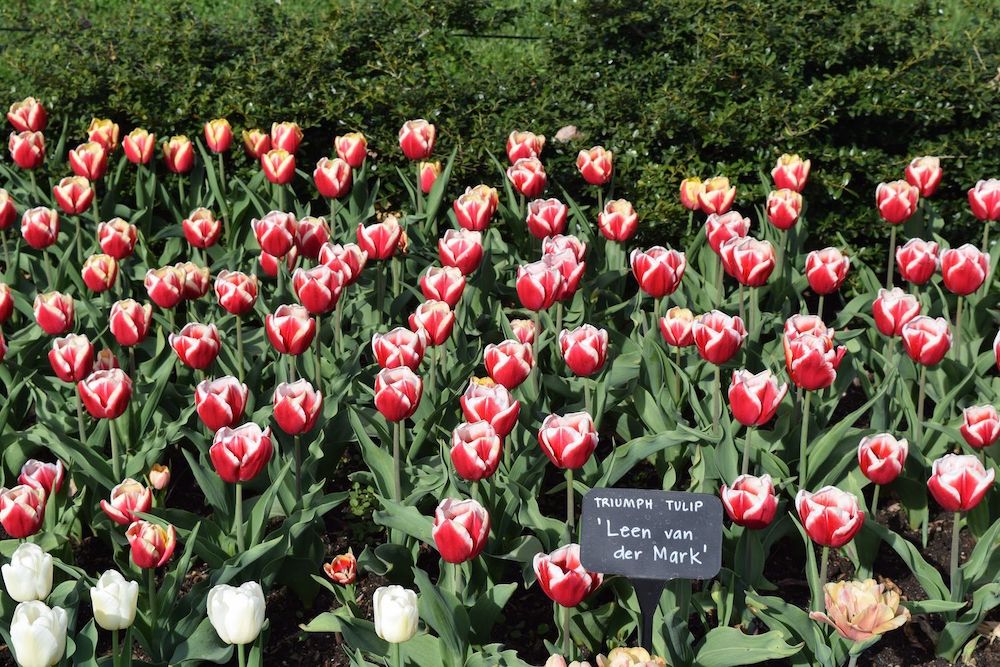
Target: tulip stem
570,520
918,428
34,186
892,253
875,495
49,273
854,660
956,583
334,223
298,466
115,652
115,462
241,652
718,282
958,328
746,451
677,376
238,518
239,346
79,420
986,236
559,317
316,356
339,310
6,252
717,397
567,641
824,562
397,489
819,306
803,439
291,368
743,306
397,658
151,580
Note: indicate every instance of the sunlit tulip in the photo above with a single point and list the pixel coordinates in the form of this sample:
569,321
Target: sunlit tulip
54,312
71,357
381,239
893,309
178,154
237,613
151,544
718,336
475,208
791,172
618,221
286,136
89,161
690,189
435,319
569,440
105,394
625,657
28,575
882,457
416,139
926,339
563,578
218,135
290,329
595,165
269,263
40,227
428,173
460,529
917,260
297,406
332,177
126,501
964,269
861,610
220,402
527,176
798,325
570,268
278,166
236,291
546,217
197,345
45,476
658,270
980,425
343,569
275,233
831,517
396,613
475,450
783,208
486,400
318,288
812,360
256,142
748,260
959,482
348,260
8,210
750,501
524,330
755,398
508,363
584,349
106,360
165,286
676,327
553,245
159,476
524,145
924,173
716,196
138,146
239,454
38,634
352,148
539,284
105,132
311,233
443,284
397,393
117,238
462,249
28,115
826,270
722,228
73,195
114,600
984,199
100,273
27,149
896,201
201,228
22,510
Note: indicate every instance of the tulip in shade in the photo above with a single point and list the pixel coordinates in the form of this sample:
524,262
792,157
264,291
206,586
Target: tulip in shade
524,145
236,291
416,139
861,610
290,329
926,339
159,476
22,509
984,200
396,614
755,398
826,270
318,288
546,217
332,177
748,260
218,135
882,457
105,132
380,240
893,309
831,517
783,208
917,260
278,166
595,165
812,360
527,175
220,402
8,210
690,189
750,501
27,149
718,336
475,450
311,233
428,173
89,161
896,201
461,249
618,221
73,194
791,172
980,425
434,319
508,363
127,499
28,115
563,578
54,312
343,569
722,228
237,613
256,142
239,454
286,136
201,228
959,482
28,575
397,393
297,406
105,360
677,327
716,195
40,227
197,345
38,634
3,346
658,270
475,208
114,600
539,284
964,269
71,357
138,146
6,303
117,238
460,529
488,401
45,476
99,273
524,330
352,148
178,154
585,349
568,441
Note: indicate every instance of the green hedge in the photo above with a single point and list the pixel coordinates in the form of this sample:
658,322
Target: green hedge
676,88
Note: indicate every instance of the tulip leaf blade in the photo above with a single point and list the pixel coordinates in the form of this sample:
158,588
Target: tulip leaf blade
729,647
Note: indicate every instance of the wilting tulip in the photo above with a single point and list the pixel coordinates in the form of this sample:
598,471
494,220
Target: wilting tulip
348,260
677,327
114,600
397,393
416,139
343,569
488,401
105,394
38,634
980,425
812,360
893,309
508,363
237,613
750,501
275,233
129,322
539,284
45,476
239,454
22,510
54,312
178,154
595,165
73,194
27,149
784,208
924,173
658,270
524,145
138,145
278,166
197,345
396,613
218,135
718,336
72,357
256,142
563,578
748,260
831,517
381,239
165,286
28,575
474,209
220,402
236,291
882,457
722,228
89,161
28,115
151,544
100,273
524,330
8,210
917,260
428,174
40,227
104,131
791,172
926,339
546,217
861,610
527,175
690,189
896,201
618,221
460,529
318,288
127,500
117,238
201,228
475,450
755,398
959,482
352,148
826,270
443,284
984,199
286,136
159,476
964,269
568,441
290,329
332,177
435,319
311,233
584,349
462,249
297,406
716,196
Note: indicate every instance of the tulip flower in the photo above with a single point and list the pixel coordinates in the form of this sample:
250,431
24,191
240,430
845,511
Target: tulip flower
980,425
416,139
399,347
45,476
28,575
984,200
791,172
917,261
571,270
343,569
881,459
159,476
380,240
236,292
104,131
584,349
396,614
861,610
748,260
546,217
428,174
138,146
256,142
218,135
152,545
539,284
100,272
105,394
127,500
89,161
71,357
239,454
475,450
117,238
485,400
8,210
443,284
783,208
3,347
522,145
318,288
40,227
201,228
755,398
297,406
677,327
896,201
397,393
269,263
237,614
658,270
28,115
964,269
129,322
38,634
563,578
811,357
197,345
435,320
165,286
22,509
332,177
178,154
553,245
524,330
831,517
924,173
893,309
27,149
475,208
290,329
286,136
690,189
716,195
348,260
826,270
6,303
278,166
595,165
114,600
311,234
275,233
460,529
568,441
527,176
510,362
926,339
718,336
461,249
220,402
750,501
724,227
352,148
105,360
73,194
618,221
54,312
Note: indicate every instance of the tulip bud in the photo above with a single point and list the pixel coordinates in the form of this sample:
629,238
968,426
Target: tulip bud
959,482
791,172
105,360
722,228
275,232
527,175
286,136
924,173
159,476
397,393
826,270
893,309
748,260
197,345
509,363
348,260
595,165
22,510
563,578
238,455
917,260
964,269
218,135
38,634
332,178
434,319
677,327
861,610
539,284
658,270
89,161
127,500
152,545
395,610
690,189
484,400
117,238
980,425
236,292
220,402
71,357
568,441
381,239
311,233
114,601
926,339
201,229
443,284
28,575
475,450
584,349
460,529
129,322
882,457
831,517
73,194
178,154
256,142
750,501
28,115
546,217
618,221
343,569
27,149
474,209
165,285
429,172
716,195
984,200
278,166
755,398
104,131
54,312
318,288
40,227
8,210
100,272
138,145
896,201
524,330
524,145
461,249
718,336
297,406
812,360
290,329
45,476
352,148
784,208
416,139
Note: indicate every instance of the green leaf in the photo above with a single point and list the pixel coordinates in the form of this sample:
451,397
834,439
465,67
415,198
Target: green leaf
728,647
442,612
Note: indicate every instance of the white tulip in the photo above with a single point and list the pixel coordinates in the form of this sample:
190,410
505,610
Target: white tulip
395,613
38,634
237,614
114,600
28,576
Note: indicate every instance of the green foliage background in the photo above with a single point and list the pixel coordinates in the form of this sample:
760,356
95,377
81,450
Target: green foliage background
675,87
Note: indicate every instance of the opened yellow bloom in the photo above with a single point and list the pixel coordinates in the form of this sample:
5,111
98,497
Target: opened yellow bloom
860,610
